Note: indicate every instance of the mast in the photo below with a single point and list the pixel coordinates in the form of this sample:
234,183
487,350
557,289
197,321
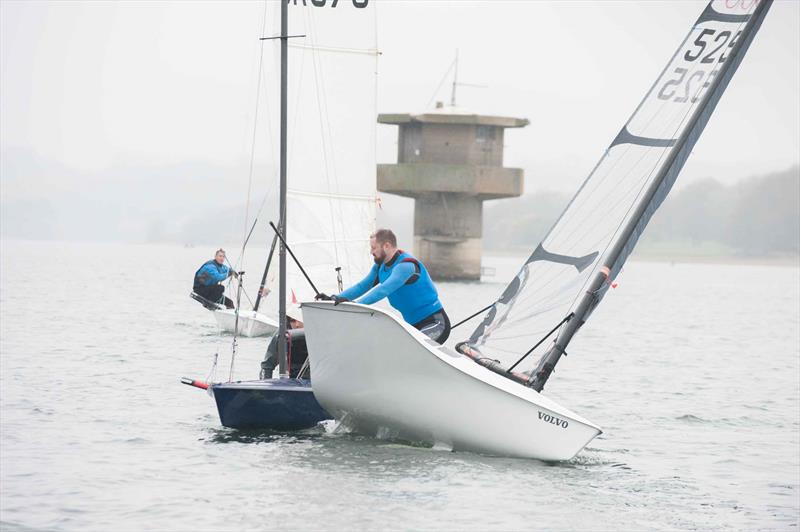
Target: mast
658,188
282,209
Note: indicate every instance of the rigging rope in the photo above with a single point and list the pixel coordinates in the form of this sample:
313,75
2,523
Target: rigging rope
239,263
212,373
235,343
255,126
439,86
484,309
324,119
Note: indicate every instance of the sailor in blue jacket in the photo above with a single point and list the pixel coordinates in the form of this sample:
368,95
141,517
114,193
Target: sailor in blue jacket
208,277
405,281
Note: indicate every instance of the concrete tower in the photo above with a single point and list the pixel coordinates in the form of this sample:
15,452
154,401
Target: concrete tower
450,162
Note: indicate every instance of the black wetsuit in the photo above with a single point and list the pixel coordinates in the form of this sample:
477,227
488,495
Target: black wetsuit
436,326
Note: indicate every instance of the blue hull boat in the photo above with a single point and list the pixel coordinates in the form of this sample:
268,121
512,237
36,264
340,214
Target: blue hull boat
276,404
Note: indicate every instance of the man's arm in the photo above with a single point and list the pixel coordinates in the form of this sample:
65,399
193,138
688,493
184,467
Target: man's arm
208,275
270,361
361,287
220,274
400,274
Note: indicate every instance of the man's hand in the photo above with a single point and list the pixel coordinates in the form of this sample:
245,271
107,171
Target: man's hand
322,297
338,299
264,292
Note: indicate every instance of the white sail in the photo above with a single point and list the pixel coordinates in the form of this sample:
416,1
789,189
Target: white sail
599,228
331,197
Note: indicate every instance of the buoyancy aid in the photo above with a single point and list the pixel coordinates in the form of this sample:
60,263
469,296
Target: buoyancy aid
417,298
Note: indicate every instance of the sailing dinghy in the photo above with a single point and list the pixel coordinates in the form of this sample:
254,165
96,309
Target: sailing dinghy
328,206
378,375
249,323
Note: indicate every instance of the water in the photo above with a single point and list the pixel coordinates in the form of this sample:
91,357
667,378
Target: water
691,369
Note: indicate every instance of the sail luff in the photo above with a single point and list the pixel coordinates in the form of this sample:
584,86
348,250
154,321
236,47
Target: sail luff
627,238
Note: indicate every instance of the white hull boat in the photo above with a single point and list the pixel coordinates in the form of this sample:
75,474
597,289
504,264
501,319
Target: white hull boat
251,323
382,377
377,374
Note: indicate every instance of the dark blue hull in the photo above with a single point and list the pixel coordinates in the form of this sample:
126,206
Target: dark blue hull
277,404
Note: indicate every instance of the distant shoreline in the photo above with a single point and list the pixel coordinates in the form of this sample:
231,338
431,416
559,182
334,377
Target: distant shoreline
517,253
787,260
721,259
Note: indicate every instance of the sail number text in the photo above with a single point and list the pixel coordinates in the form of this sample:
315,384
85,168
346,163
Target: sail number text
332,3
710,47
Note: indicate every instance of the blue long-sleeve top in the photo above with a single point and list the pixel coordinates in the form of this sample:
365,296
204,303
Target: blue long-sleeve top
412,293
210,273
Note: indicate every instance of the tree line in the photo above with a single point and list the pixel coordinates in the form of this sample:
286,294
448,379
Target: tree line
755,217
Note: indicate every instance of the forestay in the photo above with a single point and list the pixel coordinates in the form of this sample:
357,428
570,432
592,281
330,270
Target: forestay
331,141
571,269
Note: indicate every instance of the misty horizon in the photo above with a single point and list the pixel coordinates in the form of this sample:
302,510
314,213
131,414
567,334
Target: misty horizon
183,213
120,122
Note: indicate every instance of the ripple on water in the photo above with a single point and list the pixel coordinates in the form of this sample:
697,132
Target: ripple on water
131,445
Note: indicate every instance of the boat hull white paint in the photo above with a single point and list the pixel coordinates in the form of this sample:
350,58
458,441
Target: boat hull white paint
383,377
251,324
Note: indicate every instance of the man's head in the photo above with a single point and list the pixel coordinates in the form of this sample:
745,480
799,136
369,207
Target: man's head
294,316
219,256
383,245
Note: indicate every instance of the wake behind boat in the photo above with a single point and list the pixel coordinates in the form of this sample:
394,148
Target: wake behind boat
376,374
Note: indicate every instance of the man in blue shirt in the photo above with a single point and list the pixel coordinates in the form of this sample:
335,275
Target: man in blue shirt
208,277
405,281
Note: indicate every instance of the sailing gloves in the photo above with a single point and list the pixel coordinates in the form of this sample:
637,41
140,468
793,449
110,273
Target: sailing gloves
338,299
325,297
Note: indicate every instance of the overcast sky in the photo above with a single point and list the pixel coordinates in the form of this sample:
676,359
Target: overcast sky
99,84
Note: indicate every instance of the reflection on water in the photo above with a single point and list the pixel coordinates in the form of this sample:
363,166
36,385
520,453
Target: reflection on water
690,369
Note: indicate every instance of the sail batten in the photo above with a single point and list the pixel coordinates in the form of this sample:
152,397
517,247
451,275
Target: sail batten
616,201
626,137
711,14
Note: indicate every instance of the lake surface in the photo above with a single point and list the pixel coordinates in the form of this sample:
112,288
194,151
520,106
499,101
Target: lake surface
692,370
